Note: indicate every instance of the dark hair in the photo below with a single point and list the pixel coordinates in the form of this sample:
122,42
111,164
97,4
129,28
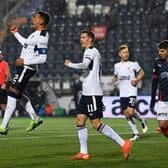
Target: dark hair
163,44
90,34
45,16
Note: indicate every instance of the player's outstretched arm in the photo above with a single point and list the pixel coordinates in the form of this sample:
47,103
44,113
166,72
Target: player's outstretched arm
82,65
14,30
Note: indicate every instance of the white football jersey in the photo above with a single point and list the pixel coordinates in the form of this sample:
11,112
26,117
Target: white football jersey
91,83
34,50
125,72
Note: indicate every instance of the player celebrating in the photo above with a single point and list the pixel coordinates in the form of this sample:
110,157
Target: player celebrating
34,52
160,78
129,73
90,105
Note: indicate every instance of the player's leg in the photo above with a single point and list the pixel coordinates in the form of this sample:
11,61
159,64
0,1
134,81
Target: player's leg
83,138
106,129
21,83
162,117
110,133
138,116
35,120
82,129
129,112
13,95
128,107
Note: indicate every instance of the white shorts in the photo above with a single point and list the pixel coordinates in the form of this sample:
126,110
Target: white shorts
162,110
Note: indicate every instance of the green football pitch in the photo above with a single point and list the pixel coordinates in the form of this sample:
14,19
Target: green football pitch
52,144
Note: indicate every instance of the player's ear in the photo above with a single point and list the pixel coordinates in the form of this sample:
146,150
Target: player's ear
90,40
119,54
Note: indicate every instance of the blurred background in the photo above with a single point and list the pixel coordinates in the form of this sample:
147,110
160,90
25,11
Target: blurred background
55,89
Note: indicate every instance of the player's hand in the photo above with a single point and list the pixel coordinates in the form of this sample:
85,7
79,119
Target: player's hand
67,62
19,62
134,82
14,29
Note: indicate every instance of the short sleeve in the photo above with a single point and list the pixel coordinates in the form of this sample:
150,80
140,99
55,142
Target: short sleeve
115,70
137,67
89,54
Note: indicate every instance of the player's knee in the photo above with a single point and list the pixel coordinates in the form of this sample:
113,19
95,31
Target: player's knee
13,92
129,113
95,125
165,131
80,121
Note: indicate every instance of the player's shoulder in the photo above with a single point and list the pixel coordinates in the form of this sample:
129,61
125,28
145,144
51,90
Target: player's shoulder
132,62
41,34
91,51
118,64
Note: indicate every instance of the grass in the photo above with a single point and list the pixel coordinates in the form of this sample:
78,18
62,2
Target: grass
51,145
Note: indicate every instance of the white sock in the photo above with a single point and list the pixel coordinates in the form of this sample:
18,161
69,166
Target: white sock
132,126
10,107
30,110
83,137
110,133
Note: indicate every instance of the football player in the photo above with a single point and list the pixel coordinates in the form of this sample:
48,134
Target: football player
90,105
160,82
129,73
34,52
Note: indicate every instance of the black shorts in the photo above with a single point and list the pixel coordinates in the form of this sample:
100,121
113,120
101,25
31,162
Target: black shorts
22,76
91,106
128,102
3,96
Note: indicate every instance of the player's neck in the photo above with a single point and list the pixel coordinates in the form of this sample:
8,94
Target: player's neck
41,28
123,61
89,46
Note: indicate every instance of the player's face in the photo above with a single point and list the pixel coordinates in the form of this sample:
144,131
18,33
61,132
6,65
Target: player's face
124,54
36,21
85,40
163,53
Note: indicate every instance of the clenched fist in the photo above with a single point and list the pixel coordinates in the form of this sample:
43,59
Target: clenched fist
14,29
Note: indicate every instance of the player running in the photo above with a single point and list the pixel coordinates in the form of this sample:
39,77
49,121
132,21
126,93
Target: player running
129,73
